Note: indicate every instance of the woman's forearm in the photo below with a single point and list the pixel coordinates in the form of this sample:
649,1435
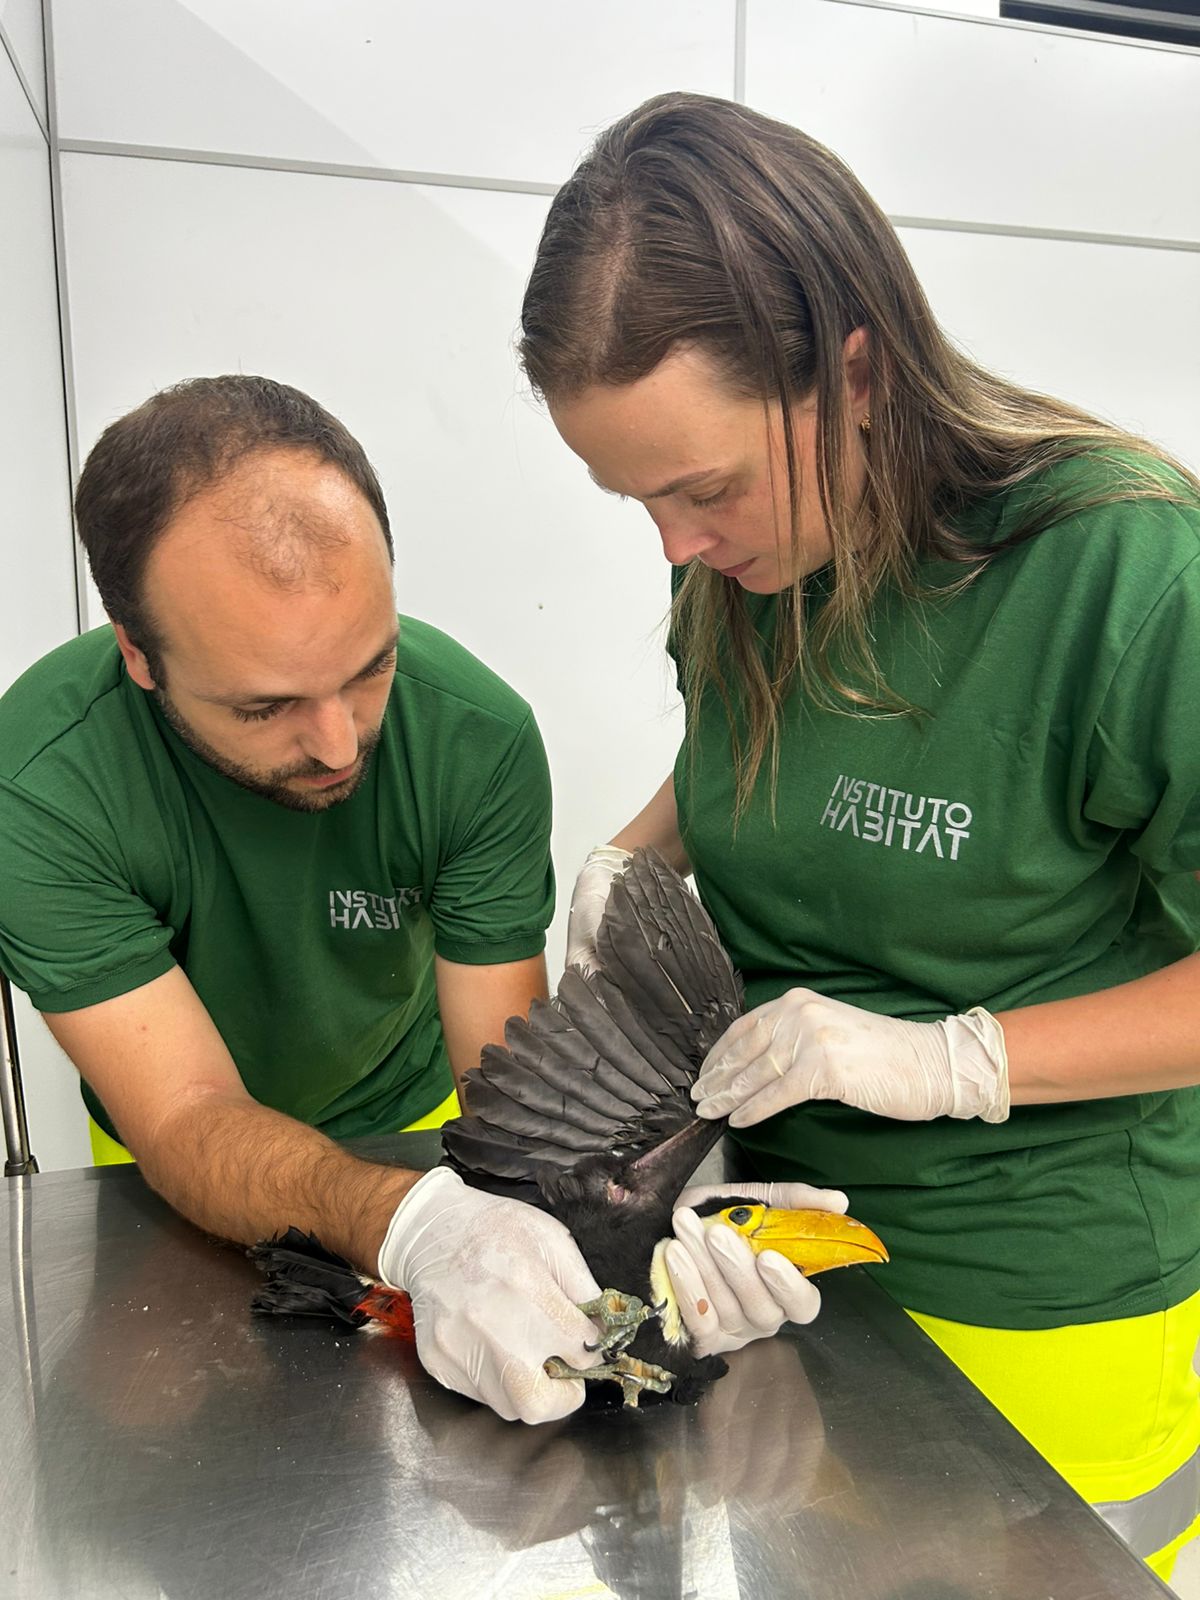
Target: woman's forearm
1138,1038
657,825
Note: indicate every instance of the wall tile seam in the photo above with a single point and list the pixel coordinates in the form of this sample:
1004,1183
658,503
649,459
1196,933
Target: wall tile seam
1017,25
1018,230
321,169
24,83
66,351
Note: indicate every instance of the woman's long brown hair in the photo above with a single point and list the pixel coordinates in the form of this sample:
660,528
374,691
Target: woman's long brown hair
696,222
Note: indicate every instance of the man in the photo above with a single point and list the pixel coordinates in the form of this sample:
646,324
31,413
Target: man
273,868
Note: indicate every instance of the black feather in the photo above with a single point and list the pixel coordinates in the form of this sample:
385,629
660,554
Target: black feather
524,1103
658,946
545,1044
479,1149
306,1279
586,1109
582,1004
664,1056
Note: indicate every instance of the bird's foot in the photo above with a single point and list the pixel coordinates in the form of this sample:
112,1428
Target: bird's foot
635,1376
620,1316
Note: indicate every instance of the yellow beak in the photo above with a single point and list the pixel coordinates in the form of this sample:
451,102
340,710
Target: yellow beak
814,1241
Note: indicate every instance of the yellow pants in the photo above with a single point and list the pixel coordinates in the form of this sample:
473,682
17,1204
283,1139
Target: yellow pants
106,1152
1114,1407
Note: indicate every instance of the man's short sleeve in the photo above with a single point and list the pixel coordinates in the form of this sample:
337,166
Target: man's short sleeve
1144,761
72,931
494,892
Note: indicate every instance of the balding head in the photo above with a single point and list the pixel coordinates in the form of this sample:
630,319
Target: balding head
184,441
285,515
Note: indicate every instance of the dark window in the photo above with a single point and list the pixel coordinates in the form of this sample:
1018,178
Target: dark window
1167,21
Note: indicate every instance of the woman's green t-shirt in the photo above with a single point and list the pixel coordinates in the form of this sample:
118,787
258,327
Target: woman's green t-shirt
1032,834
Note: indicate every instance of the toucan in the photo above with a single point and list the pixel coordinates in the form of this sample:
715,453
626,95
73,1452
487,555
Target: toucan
585,1111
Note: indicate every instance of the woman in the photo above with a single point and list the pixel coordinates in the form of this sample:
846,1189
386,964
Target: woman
936,637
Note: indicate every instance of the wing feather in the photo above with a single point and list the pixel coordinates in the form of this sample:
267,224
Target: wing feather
523,1103
658,946
604,1069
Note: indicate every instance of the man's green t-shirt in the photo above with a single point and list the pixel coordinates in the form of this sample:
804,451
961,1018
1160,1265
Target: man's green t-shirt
308,936
1030,835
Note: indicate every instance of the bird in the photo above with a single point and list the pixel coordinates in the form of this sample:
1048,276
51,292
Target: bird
585,1111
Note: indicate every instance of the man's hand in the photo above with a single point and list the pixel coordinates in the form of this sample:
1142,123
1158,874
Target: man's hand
605,863
727,1295
803,1046
495,1287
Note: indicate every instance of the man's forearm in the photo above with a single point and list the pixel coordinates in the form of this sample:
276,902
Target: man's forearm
245,1172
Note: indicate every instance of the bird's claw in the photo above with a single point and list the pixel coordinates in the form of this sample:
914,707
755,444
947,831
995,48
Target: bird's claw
634,1376
620,1316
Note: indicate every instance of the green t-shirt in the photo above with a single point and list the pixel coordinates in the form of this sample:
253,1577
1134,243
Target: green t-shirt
308,936
1032,837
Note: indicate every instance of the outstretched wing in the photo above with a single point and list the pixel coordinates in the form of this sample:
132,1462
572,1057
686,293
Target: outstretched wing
603,1071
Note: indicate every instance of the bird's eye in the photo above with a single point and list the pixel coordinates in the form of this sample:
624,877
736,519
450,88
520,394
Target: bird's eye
740,1215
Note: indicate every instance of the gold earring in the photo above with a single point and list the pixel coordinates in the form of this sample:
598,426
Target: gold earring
864,426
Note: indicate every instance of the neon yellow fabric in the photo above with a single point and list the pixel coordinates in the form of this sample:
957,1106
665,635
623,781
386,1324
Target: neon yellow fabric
434,1119
1113,1406
107,1152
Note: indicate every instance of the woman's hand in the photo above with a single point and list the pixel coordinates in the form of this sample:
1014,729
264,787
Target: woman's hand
803,1046
728,1296
595,879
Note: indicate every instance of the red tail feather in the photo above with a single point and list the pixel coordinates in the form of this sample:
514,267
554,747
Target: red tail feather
392,1307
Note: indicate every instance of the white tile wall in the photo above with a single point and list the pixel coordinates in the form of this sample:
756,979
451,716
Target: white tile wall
21,21
37,572
507,91
395,305
38,611
1114,328
987,122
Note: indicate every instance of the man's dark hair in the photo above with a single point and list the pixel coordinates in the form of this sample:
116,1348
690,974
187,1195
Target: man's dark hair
184,440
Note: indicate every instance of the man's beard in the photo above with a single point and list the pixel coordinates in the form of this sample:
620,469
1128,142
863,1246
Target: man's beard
271,785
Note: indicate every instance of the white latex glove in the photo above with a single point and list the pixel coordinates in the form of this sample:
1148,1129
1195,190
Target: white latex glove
727,1295
803,1046
495,1287
605,863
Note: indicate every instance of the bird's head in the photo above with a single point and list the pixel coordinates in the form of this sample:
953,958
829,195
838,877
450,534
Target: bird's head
814,1241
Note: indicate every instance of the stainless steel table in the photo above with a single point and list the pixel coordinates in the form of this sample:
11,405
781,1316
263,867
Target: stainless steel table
161,1441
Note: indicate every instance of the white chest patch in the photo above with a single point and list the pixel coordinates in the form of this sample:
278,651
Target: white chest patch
671,1323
